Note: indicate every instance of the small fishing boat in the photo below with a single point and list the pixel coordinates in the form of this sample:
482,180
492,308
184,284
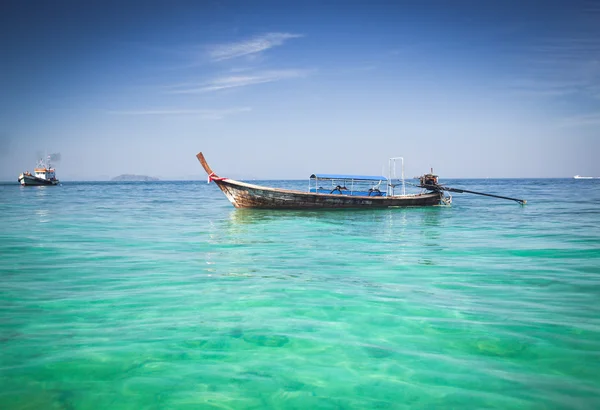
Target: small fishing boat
346,191
580,177
43,174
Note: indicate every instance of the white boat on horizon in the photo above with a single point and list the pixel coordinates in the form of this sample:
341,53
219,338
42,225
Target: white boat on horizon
43,174
580,177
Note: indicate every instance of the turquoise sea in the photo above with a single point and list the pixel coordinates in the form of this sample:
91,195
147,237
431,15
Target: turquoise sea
161,295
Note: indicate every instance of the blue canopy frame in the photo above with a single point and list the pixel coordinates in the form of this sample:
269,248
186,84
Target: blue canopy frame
358,182
352,189
354,177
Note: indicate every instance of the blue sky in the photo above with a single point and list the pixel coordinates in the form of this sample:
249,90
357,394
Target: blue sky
271,90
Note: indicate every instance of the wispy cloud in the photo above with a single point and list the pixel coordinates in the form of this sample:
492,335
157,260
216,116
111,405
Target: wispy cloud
249,47
540,87
584,120
234,81
564,66
207,114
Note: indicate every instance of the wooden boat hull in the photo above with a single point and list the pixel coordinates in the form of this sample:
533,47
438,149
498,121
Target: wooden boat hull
244,195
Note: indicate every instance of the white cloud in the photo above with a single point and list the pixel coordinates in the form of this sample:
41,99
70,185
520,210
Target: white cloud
208,114
249,47
233,81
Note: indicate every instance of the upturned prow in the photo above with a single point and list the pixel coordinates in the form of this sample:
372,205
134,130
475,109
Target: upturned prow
204,164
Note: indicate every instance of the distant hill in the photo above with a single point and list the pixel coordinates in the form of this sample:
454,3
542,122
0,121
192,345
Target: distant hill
131,177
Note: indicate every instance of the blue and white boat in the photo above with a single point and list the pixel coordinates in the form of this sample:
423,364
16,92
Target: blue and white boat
44,174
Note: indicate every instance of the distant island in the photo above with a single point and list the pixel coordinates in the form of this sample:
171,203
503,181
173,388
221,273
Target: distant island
131,177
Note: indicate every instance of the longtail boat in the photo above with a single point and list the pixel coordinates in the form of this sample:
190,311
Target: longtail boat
363,192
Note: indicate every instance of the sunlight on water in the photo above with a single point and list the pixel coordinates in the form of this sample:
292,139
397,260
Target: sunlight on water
162,295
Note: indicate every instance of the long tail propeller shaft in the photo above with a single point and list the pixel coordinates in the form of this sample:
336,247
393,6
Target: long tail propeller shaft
461,191
438,187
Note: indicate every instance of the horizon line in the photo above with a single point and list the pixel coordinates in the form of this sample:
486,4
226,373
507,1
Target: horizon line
10,182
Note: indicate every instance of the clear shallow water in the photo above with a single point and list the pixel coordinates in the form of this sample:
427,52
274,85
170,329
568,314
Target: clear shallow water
162,295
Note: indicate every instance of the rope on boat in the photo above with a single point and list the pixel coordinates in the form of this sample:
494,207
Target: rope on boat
213,177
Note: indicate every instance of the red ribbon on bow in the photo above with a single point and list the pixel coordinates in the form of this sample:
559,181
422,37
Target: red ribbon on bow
212,177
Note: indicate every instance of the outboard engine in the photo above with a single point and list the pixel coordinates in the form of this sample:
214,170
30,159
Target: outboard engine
429,181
